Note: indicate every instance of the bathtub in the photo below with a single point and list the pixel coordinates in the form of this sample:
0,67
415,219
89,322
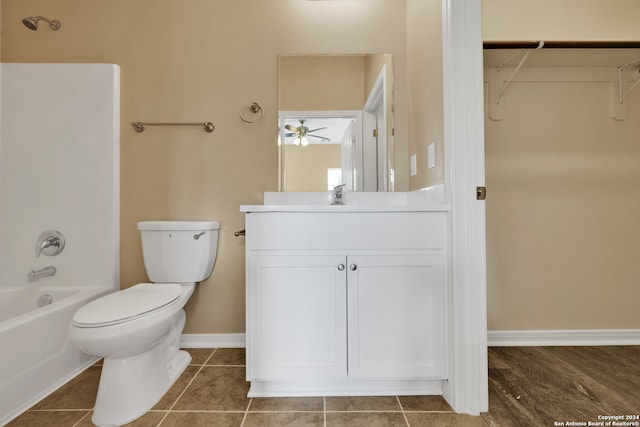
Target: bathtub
36,356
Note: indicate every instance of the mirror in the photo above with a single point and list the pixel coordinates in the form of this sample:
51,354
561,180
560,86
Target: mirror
335,116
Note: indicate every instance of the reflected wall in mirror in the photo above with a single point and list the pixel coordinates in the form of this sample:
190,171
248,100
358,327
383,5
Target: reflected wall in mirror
335,122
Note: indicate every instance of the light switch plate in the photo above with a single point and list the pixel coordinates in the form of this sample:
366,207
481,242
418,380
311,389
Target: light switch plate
431,155
414,165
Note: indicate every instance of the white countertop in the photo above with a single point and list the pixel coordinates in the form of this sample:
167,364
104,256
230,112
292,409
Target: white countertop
412,201
347,208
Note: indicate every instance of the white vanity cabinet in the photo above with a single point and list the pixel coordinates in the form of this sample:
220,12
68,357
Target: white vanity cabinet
298,322
346,302
395,316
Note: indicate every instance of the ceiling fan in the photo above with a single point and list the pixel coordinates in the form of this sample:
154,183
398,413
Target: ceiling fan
302,132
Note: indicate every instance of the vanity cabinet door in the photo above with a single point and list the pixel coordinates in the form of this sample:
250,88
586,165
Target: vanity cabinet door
298,320
396,316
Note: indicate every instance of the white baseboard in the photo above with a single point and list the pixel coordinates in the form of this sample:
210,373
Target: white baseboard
581,337
213,341
350,386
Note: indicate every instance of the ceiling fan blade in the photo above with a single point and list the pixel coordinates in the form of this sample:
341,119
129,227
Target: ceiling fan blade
317,129
324,138
292,128
290,134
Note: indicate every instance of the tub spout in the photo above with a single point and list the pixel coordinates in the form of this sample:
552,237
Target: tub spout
35,275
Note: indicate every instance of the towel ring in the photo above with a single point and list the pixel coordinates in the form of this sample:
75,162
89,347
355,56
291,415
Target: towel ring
254,108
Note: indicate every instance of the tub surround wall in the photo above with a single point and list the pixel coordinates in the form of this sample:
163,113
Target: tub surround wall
59,158
59,170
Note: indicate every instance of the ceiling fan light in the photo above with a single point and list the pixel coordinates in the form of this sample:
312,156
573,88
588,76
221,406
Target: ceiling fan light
304,141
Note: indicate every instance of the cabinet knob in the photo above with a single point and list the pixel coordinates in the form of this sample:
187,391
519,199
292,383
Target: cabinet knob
340,267
353,267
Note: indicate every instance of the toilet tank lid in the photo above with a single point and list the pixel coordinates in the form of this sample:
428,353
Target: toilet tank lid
178,225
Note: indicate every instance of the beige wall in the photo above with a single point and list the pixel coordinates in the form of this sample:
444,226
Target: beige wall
307,166
560,20
199,60
308,83
424,68
563,197
373,64
563,229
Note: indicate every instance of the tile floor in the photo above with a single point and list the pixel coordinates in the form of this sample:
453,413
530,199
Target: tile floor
213,392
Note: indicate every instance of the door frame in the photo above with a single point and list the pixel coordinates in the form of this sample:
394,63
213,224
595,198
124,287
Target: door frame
374,148
467,388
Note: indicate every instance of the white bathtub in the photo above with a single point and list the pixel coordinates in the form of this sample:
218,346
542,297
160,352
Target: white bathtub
36,356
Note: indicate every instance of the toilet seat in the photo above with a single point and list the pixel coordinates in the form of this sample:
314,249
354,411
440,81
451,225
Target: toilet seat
125,305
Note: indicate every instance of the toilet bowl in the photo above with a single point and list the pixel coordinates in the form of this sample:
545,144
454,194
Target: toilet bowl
137,330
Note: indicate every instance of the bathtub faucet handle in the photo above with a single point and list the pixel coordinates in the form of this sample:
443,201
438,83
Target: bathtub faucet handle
50,243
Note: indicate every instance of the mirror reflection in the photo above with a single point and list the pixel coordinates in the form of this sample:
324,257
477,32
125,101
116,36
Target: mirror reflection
335,122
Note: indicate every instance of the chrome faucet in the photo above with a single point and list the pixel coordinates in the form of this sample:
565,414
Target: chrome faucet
336,198
35,275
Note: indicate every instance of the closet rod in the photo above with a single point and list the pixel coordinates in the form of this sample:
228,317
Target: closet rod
562,44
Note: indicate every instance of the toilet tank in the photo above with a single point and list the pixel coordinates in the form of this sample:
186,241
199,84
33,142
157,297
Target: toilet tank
179,251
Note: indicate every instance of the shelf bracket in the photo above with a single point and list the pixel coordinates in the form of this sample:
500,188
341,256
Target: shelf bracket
621,68
500,92
499,89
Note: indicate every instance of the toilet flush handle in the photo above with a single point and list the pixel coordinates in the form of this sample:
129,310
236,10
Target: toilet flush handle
197,236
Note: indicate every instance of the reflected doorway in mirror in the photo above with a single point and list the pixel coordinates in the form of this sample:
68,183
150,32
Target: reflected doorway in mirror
311,143
321,86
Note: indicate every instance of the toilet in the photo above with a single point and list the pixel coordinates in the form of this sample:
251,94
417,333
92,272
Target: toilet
137,330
